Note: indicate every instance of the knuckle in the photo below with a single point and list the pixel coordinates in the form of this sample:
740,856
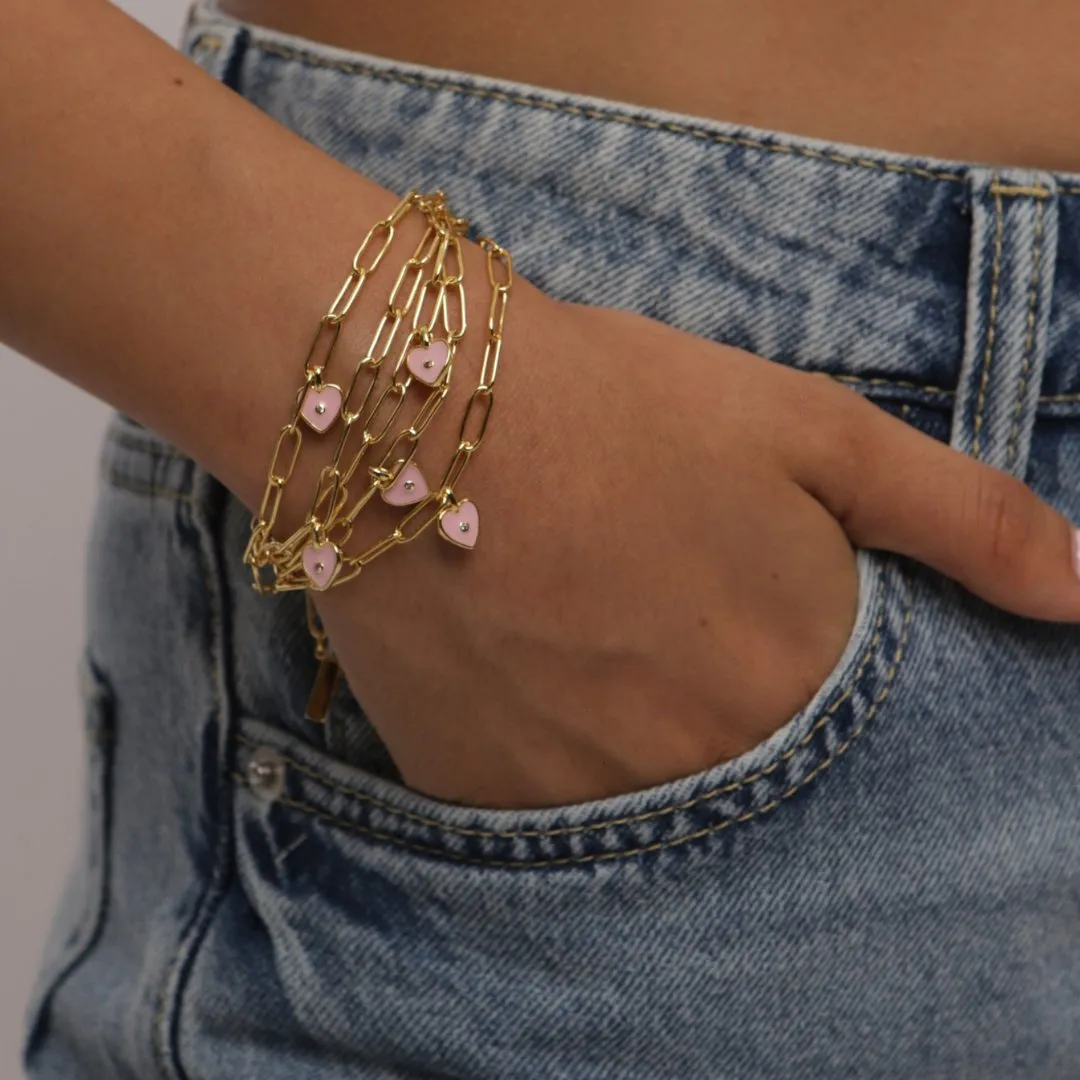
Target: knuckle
829,432
834,413
1006,515
850,425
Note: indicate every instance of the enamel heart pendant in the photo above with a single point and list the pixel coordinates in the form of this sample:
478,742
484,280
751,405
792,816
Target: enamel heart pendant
460,524
427,362
409,487
320,406
320,564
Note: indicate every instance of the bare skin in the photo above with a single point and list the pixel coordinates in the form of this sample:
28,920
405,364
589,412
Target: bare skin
170,248
974,80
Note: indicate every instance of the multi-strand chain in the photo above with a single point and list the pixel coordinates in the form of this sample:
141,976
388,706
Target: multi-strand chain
428,296
399,478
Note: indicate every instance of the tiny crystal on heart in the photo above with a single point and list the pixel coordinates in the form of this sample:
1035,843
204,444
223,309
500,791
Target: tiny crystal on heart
320,406
408,487
427,362
460,524
320,564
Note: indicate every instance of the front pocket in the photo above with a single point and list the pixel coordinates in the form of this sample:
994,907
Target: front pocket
295,790
80,912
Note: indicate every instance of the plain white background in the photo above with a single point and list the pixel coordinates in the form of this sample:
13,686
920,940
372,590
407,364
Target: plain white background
46,514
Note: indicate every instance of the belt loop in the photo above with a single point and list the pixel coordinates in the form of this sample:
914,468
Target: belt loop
216,45
1010,284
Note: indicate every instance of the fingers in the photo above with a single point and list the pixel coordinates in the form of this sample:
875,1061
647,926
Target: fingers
894,488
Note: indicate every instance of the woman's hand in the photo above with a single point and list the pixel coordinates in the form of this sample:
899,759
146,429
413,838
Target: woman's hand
664,572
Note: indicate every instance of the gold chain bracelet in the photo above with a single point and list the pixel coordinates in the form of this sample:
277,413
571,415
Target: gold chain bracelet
400,480
306,560
319,403
428,285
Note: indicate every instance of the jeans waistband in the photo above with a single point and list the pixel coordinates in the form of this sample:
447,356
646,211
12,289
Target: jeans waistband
949,283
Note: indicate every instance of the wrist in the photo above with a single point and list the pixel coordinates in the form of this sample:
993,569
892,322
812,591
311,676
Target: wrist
295,257
384,431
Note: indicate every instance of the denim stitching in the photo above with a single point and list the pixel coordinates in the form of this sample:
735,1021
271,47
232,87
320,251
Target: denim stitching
1025,367
988,355
312,60
1011,190
206,43
211,42
705,796
567,830
899,384
609,856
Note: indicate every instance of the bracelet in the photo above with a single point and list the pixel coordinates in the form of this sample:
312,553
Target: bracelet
318,402
398,478
429,288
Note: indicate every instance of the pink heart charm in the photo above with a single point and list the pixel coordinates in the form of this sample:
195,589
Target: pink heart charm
409,487
320,564
460,524
427,363
321,405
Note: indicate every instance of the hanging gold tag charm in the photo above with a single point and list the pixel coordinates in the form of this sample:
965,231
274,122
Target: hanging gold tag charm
322,691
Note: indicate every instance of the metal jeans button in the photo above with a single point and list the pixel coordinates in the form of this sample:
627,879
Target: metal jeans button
266,772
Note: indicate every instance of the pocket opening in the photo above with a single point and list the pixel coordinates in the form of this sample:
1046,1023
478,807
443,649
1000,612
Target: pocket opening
321,792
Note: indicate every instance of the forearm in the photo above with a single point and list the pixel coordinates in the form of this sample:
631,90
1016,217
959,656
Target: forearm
163,243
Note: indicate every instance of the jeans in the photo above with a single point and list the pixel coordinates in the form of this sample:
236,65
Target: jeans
888,887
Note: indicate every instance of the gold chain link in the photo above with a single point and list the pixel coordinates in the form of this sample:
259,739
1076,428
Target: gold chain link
428,296
262,551
428,510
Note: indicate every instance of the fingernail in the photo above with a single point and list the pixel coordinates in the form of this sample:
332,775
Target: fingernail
1076,551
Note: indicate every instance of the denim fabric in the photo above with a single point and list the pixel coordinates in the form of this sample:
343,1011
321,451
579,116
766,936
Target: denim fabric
889,887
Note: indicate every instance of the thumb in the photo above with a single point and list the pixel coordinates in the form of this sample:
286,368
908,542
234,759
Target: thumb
892,487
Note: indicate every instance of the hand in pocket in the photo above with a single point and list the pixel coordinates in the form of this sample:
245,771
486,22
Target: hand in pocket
666,570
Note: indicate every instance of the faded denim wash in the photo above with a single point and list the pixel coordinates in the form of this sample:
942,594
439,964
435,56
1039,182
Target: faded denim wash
887,888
